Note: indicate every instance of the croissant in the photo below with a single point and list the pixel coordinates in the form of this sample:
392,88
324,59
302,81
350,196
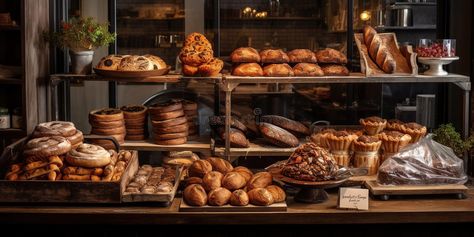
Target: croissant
377,50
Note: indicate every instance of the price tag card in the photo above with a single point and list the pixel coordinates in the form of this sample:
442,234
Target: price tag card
353,198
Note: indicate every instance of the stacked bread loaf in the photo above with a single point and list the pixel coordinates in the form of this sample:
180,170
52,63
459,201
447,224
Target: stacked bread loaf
281,131
135,117
237,133
191,112
276,63
131,63
108,122
197,57
170,125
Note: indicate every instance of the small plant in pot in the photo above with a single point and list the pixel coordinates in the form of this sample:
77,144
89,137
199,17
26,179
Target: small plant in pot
81,36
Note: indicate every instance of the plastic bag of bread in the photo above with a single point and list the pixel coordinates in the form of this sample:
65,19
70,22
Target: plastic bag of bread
423,163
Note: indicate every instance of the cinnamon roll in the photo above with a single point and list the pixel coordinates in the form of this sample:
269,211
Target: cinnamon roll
88,156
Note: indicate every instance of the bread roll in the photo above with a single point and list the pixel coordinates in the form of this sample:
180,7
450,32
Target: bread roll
200,168
193,180
278,193
307,70
335,70
260,180
233,181
260,197
248,70
329,55
212,180
274,56
219,164
219,197
244,171
245,55
278,70
195,195
239,198
302,56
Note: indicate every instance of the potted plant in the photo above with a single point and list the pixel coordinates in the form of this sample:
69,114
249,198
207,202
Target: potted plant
81,36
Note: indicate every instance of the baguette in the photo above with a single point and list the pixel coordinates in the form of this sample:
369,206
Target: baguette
378,51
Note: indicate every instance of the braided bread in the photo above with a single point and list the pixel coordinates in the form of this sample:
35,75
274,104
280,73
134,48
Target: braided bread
378,51
88,156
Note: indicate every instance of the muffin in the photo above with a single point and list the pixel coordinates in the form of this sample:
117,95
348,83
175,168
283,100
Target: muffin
394,125
366,155
340,143
320,138
416,131
393,142
373,125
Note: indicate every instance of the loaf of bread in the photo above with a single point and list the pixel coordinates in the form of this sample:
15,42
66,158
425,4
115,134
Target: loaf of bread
237,137
110,62
278,70
278,136
195,195
233,181
335,70
219,164
274,56
260,197
307,70
212,180
378,51
302,56
135,63
239,198
292,126
260,180
199,168
248,70
211,68
245,55
219,197
329,55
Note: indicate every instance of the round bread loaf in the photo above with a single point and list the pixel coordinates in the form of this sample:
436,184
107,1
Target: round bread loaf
260,180
212,180
135,63
239,198
307,70
219,197
302,56
260,197
54,128
335,70
248,70
245,55
219,164
199,168
278,193
195,195
233,181
244,171
110,62
211,68
274,56
278,70
329,55
88,156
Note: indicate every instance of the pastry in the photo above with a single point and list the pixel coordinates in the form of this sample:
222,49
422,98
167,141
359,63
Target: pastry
134,112
302,56
239,198
248,70
274,56
165,106
199,168
310,162
211,68
393,142
219,164
416,131
173,129
329,55
219,197
260,197
88,156
110,62
54,128
278,193
189,70
106,115
195,195
193,37
76,139
212,180
168,136
260,180
277,136
245,55
244,171
335,70
320,138
233,181
278,70
340,143
135,63
307,70
373,125
378,51
167,115
44,147
394,124
169,122
175,141
297,128
158,63
196,53
366,155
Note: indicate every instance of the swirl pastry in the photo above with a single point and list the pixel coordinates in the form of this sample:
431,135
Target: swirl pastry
54,128
44,147
88,156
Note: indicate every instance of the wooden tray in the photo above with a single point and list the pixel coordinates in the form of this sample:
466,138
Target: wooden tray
132,74
276,207
159,197
61,191
405,57
385,191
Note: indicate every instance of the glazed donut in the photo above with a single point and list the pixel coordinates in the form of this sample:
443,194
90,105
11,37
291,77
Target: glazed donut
169,122
168,106
88,156
167,115
107,124
133,111
54,128
177,141
44,147
105,115
174,129
108,131
76,139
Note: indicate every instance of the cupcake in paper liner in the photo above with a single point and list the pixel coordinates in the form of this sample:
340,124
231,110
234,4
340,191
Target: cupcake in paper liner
340,144
393,142
394,125
416,131
366,153
373,125
320,138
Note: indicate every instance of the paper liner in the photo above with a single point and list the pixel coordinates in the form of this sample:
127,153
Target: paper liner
394,144
367,159
366,147
340,143
342,157
373,128
320,139
394,126
416,134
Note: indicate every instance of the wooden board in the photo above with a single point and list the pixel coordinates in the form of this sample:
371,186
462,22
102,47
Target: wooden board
377,189
159,197
276,207
132,74
200,144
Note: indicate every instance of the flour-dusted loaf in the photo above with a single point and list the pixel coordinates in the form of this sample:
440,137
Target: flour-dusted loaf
248,70
329,55
278,136
307,70
274,56
302,56
245,55
278,70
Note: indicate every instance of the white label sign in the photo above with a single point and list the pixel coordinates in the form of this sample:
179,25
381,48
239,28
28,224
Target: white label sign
353,198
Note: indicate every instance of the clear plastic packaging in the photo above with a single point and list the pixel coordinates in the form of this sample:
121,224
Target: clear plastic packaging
423,163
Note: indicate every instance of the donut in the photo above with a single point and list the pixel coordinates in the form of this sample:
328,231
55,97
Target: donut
88,156
54,128
167,106
133,111
44,147
169,122
105,115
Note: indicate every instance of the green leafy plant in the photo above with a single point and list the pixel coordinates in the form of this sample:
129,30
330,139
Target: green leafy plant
447,135
81,34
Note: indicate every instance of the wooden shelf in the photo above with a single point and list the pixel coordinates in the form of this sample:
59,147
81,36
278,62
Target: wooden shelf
419,27
201,144
170,78
12,132
258,147
280,18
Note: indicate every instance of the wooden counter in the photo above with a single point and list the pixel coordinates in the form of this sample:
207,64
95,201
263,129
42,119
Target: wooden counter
403,210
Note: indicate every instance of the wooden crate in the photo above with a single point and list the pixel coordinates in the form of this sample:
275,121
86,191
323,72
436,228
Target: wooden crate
61,191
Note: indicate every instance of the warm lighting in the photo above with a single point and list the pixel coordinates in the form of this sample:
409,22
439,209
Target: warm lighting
247,10
365,16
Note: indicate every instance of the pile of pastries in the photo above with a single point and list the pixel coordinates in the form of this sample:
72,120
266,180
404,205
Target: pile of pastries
216,182
298,62
56,152
362,147
135,117
115,62
152,180
197,57
108,122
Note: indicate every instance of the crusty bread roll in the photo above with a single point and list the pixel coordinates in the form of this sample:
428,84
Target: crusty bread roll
260,180
239,198
307,70
278,70
278,193
233,181
335,70
212,180
219,164
245,55
248,70
329,55
200,168
260,197
195,195
302,56
219,197
378,51
244,171
274,56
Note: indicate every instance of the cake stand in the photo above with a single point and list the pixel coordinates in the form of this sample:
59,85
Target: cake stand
436,65
310,192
